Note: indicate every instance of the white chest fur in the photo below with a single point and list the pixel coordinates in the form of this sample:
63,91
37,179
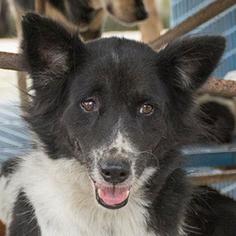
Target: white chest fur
65,204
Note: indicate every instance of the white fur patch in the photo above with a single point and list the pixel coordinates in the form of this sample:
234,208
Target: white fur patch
120,142
64,200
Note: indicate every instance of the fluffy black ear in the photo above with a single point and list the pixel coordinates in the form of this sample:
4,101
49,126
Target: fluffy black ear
51,54
48,48
188,62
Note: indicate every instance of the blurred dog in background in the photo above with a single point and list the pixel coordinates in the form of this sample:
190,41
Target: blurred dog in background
85,16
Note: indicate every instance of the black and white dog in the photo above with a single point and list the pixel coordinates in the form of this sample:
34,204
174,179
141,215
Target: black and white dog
111,116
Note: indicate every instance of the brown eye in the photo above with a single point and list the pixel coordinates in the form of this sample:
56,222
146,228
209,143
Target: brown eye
90,104
146,109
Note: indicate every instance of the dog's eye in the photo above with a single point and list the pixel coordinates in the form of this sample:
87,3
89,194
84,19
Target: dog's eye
90,104
146,109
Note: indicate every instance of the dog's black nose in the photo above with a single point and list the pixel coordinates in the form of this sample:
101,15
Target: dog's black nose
141,14
115,171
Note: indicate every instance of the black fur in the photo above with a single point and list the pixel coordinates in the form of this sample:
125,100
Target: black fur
210,213
23,222
81,11
219,121
121,75
8,167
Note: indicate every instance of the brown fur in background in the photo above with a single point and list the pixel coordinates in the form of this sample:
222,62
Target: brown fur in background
2,229
124,11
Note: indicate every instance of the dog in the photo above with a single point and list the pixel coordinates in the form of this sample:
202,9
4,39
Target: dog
85,16
109,117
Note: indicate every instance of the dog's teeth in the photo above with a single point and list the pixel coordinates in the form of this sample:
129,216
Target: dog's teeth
127,193
99,192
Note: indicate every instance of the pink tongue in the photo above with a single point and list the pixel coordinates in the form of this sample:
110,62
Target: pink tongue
113,196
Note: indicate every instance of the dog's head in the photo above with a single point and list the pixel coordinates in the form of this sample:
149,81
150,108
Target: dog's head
116,106
126,11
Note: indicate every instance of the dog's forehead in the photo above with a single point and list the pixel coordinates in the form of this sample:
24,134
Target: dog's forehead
130,70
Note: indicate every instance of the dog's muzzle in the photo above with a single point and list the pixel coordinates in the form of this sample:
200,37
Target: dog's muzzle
113,191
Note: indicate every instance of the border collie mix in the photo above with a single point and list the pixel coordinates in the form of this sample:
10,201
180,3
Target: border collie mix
110,117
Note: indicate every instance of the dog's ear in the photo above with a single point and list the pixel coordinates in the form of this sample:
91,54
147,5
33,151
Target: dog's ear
51,54
47,47
187,63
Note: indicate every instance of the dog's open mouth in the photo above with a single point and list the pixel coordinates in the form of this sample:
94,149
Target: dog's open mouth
112,197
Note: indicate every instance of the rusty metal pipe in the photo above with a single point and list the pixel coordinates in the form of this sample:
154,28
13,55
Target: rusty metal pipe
202,16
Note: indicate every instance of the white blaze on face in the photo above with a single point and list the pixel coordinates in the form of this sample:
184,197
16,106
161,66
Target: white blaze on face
121,144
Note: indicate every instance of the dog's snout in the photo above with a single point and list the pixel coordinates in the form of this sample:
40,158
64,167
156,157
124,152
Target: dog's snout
141,14
115,171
